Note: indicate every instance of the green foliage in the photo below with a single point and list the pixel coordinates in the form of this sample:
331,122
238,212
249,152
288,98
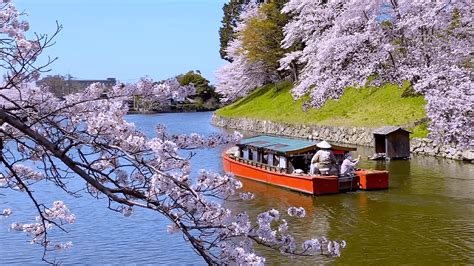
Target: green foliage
200,83
410,92
229,21
456,20
420,131
205,93
365,107
262,36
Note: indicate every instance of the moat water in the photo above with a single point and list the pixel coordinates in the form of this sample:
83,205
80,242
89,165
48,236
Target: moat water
426,217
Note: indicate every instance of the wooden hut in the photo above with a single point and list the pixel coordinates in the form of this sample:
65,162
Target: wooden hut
392,141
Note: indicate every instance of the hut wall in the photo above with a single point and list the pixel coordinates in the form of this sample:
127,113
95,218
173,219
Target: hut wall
398,144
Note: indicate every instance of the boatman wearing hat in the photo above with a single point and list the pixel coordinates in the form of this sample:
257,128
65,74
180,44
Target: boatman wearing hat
324,158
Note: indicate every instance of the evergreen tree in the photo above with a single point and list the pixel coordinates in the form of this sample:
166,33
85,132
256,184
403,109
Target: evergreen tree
232,12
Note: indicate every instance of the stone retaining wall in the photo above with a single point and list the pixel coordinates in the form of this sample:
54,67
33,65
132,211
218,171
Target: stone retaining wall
347,135
428,147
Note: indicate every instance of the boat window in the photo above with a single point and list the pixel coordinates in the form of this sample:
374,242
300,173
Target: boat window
300,162
254,155
276,160
270,159
290,167
282,162
246,154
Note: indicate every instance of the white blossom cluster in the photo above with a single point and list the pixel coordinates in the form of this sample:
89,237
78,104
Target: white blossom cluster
298,212
6,212
58,215
332,248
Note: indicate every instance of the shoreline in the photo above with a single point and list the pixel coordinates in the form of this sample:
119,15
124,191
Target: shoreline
361,136
167,112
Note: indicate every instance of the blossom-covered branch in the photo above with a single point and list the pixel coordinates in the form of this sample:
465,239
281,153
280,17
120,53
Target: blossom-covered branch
85,136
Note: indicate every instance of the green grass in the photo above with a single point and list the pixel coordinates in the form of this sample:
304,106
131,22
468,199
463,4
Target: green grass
420,131
365,107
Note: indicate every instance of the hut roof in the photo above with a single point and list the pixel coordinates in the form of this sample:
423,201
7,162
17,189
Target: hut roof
388,129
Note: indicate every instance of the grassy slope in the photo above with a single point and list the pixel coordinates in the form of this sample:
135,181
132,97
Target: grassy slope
367,107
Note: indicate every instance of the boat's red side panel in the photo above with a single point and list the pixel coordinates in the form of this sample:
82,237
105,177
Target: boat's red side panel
369,180
325,185
307,184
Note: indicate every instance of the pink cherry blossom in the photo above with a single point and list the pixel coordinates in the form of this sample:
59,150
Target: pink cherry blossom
347,43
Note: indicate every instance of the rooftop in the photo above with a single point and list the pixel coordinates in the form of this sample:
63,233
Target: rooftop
388,129
283,145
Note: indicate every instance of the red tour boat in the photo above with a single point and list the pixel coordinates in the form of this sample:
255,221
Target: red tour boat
285,162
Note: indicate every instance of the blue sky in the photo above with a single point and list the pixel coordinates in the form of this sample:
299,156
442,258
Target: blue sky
128,39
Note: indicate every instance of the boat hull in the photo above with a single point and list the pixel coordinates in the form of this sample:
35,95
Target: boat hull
314,185
373,180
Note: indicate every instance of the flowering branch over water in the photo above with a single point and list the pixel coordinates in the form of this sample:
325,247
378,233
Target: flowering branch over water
85,136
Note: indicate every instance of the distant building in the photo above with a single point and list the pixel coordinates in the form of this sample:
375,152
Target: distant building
84,83
65,85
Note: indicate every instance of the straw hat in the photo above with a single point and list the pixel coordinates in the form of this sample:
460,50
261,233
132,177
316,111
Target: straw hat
323,145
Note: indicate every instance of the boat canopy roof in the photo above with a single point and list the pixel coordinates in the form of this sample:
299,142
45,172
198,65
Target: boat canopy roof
286,146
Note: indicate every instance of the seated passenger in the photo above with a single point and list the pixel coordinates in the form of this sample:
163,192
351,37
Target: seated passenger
348,165
323,159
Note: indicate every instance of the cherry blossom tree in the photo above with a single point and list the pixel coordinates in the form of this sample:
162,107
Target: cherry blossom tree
85,136
428,43
242,76
433,49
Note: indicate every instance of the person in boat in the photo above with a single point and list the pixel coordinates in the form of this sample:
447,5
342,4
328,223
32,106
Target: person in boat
348,165
323,159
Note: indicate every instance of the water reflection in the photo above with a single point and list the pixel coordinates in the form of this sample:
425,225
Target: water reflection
424,218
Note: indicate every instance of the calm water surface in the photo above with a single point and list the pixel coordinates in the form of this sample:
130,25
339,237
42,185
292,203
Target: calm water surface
426,217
